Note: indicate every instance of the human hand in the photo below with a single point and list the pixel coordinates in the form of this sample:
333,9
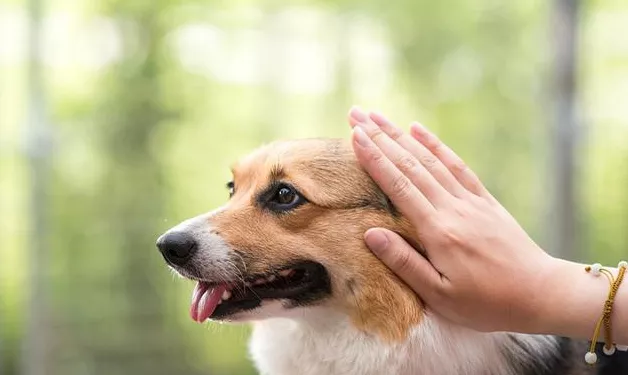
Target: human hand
480,268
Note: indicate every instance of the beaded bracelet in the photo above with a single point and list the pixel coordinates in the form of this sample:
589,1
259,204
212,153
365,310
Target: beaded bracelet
609,347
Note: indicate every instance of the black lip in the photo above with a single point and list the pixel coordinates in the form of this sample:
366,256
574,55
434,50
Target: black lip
310,284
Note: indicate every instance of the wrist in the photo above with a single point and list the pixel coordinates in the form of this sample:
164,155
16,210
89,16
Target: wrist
535,305
571,301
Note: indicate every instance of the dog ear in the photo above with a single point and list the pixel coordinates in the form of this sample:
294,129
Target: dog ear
401,226
382,202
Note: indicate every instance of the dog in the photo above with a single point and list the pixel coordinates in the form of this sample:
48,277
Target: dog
287,254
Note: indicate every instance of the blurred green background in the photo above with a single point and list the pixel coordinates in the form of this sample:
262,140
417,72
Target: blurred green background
119,118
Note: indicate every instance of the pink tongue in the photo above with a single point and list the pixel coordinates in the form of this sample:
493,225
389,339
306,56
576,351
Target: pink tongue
205,300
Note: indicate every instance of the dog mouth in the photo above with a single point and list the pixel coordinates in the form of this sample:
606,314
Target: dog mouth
301,284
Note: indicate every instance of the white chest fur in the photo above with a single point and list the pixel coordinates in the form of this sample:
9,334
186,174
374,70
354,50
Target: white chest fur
330,345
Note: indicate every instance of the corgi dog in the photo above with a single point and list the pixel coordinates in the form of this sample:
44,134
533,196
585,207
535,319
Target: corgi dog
286,253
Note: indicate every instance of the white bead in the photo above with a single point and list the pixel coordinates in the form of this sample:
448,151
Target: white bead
623,263
622,348
610,351
595,269
590,358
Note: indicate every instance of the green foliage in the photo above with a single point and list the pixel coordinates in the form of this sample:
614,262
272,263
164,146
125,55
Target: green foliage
145,137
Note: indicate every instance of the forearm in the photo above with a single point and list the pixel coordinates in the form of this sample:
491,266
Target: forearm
573,302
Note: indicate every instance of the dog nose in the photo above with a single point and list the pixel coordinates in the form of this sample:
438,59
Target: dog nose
176,247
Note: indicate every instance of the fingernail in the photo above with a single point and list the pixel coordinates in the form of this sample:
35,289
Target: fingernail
419,127
358,114
376,241
377,114
360,136
419,132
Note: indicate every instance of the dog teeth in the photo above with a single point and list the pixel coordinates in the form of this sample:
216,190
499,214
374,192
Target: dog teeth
269,279
226,295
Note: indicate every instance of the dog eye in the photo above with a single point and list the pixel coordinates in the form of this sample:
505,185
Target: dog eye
285,197
231,187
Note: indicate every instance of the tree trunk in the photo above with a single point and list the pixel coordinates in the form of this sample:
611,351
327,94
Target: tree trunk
564,133
38,153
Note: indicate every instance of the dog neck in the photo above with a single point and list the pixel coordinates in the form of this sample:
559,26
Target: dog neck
324,341
371,305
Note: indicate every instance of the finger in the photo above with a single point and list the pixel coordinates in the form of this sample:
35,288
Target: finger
425,156
404,159
404,260
352,122
410,166
448,157
356,116
401,191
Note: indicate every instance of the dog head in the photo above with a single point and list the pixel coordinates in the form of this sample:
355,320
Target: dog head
290,240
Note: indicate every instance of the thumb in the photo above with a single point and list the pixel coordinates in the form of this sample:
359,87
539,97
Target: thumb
404,260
